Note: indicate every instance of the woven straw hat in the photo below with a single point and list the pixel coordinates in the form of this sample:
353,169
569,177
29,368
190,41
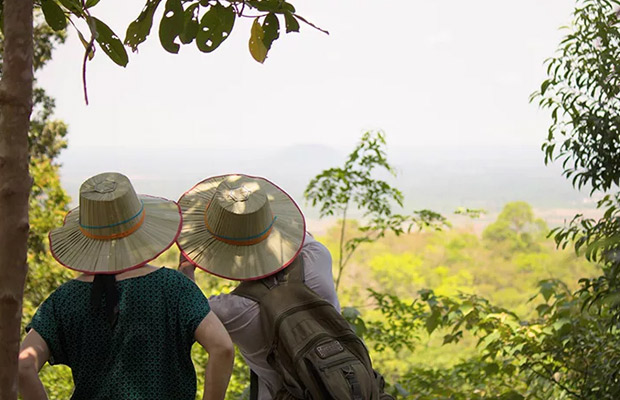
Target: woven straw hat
113,229
240,227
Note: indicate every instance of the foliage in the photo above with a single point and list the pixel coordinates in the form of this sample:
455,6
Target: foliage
516,226
206,23
562,353
338,189
468,274
582,91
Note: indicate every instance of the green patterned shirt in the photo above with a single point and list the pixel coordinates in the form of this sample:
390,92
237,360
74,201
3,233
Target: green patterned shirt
145,356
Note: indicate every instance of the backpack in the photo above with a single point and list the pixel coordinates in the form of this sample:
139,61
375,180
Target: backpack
312,346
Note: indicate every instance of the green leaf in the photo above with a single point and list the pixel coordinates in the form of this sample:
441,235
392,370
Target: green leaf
91,3
512,395
547,289
287,7
557,325
432,321
292,25
271,30
215,27
257,47
491,368
54,16
171,25
190,28
73,5
488,339
466,307
544,86
140,28
110,43
265,5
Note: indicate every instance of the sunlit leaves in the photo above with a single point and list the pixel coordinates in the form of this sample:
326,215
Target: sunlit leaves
262,36
256,44
171,25
215,27
54,15
110,43
140,28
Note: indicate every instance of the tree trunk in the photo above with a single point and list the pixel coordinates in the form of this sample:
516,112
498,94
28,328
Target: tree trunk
15,182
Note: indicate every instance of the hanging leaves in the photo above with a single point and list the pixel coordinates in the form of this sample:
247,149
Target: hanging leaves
208,22
276,6
292,25
257,46
271,30
110,43
215,27
171,25
91,3
140,28
54,16
74,6
191,24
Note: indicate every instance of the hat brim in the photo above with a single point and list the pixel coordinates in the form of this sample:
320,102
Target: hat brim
161,226
236,262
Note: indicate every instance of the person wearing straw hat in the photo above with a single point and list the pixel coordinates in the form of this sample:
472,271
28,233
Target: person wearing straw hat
125,328
242,228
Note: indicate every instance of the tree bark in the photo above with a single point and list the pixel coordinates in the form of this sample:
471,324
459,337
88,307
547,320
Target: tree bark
15,182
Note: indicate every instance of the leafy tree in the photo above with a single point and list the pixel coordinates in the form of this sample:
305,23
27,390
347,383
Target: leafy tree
582,93
516,229
339,190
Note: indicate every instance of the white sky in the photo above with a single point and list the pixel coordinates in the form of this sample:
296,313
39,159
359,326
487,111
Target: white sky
426,72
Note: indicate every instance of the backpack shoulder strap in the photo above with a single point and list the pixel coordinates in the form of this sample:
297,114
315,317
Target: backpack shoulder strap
256,290
253,385
295,270
253,290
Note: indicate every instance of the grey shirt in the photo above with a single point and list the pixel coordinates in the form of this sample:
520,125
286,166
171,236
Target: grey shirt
241,316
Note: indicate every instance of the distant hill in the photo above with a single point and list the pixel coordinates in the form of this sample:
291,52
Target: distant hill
441,178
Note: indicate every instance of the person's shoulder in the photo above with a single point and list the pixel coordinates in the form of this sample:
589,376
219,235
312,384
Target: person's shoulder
172,276
68,288
313,249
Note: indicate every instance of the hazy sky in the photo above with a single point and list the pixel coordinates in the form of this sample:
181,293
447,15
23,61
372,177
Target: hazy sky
426,72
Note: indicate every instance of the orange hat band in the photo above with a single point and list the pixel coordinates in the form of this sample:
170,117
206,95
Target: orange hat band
119,235
245,241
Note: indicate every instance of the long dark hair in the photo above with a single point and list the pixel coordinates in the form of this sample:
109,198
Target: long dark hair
104,286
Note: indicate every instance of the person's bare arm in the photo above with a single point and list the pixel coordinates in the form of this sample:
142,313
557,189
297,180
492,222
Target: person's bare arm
212,335
32,355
